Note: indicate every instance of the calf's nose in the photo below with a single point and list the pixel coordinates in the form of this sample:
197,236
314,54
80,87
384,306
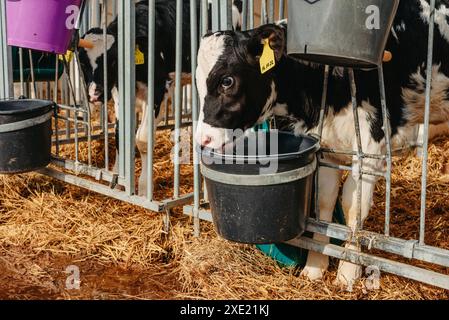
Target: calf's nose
206,140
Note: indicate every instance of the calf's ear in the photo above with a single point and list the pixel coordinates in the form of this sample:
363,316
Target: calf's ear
277,39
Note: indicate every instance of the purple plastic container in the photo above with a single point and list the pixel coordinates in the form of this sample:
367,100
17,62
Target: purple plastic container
45,25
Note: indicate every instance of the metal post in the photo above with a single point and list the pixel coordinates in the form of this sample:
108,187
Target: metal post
281,9
387,131
251,14
196,171
178,96
204,17
355,110
150,105
422,225
320,133
127,80
105,86
6,84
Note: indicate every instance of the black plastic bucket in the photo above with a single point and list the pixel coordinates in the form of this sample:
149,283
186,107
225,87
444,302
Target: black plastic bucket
261,207
25,135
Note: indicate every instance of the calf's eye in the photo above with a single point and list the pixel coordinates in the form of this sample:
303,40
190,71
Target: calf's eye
227,82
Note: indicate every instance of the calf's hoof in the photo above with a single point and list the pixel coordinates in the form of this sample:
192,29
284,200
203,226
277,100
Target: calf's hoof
348,274
313,273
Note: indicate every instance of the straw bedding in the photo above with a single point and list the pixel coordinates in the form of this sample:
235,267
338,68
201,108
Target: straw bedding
123,252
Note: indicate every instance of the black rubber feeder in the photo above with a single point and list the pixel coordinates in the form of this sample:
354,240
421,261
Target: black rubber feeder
260,197
25,135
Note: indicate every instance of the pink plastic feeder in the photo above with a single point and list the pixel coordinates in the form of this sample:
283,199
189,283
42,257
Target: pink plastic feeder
45,25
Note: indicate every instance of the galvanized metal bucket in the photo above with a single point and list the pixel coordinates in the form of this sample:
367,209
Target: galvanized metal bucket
345,33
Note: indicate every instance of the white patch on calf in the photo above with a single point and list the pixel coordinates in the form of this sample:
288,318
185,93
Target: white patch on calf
99,47
211,48
441,16
267,110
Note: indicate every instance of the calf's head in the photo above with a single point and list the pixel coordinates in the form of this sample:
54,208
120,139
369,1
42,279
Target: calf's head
233,92
92,64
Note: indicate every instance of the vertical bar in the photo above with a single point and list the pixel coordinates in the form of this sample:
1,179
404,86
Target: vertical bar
204,17
127,88
320,132
359,147
271,11
226,15
264,13
22,82
55,99
33,82
105,86
6,77
245,15
387,131
75,114
215,15
425,159
178,95
196,169
150,105
281,9
251,14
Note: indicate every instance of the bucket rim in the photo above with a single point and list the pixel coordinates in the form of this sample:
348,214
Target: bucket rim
211,153
38,105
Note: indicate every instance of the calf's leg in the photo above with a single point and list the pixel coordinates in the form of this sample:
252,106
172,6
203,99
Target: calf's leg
329,182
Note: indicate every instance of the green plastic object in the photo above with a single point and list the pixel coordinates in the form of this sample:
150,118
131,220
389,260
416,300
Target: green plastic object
44,65
291,257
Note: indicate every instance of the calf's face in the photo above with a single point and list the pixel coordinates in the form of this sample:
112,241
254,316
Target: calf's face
233,92
92,64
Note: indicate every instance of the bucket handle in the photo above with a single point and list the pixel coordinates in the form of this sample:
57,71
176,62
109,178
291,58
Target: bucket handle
16,126
261,180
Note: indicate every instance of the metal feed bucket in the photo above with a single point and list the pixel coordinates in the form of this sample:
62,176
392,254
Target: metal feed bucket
349,33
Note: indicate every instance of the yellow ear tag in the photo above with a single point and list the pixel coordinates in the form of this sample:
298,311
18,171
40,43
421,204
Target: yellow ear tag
68,56
267,60
140,57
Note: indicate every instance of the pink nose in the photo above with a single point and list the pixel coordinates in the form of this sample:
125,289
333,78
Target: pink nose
205,141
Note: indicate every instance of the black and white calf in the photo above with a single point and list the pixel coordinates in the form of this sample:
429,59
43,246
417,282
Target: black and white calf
92,61
235,95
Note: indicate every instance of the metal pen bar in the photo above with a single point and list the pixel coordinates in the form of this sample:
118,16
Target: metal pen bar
22,82
385,265
271,11
353,153
6,76
128,91
150,104
86,114
350,169
251,14
320,134
196,170
387,131
204,17
281,9
33,82
216,23
66,66
122,74
425,159
355,110
55,99
244,15
264,13
105,86
178,96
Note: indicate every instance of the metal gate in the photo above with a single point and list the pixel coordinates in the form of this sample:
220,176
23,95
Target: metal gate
79,127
